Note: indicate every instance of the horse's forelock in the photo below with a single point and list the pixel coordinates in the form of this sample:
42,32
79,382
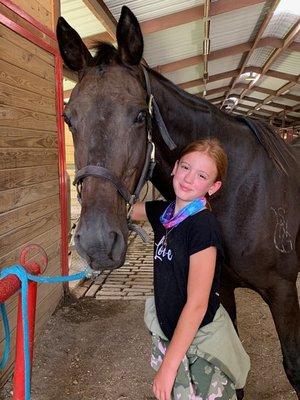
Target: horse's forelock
105,53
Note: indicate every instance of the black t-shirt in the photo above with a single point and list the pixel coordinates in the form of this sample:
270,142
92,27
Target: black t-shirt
171,262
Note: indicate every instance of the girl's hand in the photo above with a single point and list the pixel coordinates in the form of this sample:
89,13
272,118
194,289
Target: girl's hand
163,383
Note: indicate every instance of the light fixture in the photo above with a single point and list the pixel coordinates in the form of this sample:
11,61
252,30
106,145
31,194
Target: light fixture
250,76
232,101
258,108
286,91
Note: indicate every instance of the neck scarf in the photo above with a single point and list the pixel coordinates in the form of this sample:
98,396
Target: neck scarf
169,220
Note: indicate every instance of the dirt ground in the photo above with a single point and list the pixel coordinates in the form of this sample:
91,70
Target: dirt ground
99,350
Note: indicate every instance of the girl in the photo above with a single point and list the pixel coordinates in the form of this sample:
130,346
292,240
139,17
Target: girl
195,348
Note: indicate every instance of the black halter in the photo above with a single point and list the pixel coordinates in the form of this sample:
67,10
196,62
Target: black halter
101,172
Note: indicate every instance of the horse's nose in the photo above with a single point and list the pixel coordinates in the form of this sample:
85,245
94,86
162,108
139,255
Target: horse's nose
102,251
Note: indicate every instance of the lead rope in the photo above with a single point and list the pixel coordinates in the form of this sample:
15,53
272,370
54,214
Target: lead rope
24,277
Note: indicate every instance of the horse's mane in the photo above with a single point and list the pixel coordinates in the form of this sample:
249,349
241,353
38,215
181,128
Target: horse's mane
277,149
188,99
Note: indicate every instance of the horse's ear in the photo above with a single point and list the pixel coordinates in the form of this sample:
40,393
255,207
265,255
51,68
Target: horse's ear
129,38
72,49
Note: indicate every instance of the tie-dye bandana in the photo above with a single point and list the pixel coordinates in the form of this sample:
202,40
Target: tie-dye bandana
168,219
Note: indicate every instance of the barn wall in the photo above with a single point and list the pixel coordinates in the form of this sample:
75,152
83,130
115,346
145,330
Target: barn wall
43,11
30,183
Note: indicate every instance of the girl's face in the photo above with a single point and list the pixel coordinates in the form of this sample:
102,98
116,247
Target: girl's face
194,177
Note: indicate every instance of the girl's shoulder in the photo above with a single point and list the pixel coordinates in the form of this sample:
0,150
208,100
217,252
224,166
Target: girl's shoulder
204,225
204,231
154,210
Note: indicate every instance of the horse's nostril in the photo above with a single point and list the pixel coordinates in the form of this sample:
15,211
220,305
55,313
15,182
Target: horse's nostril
117,247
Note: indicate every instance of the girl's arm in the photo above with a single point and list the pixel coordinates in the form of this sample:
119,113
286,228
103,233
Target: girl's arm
139,212
201,273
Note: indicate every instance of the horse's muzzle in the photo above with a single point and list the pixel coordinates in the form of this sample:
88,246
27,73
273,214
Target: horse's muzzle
105,252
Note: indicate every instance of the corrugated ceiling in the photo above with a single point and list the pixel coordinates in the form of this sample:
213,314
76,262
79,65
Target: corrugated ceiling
149,9
174,44
233,28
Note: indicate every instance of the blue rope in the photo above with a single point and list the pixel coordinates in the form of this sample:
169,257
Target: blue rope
24,277
5,323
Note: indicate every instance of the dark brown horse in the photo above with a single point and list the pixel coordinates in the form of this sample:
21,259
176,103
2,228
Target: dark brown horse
259,208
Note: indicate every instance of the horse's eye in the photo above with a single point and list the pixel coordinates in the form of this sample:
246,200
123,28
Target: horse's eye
141,116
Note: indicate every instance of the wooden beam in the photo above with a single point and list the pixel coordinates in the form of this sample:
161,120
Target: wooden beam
172,20
176,65
213,78
56,12
71,75
216,100
90,41
102,13
295,46
281,75
214,91
296,108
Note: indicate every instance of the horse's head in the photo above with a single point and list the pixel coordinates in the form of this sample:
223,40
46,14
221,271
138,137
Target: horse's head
108,117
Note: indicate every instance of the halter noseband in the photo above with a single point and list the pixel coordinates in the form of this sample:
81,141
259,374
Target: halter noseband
102,172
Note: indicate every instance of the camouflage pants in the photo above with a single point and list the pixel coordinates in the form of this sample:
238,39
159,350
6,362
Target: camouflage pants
197,378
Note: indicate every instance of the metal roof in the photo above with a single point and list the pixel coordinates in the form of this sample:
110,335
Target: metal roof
171,44
185,74
81,18
288,62
149,9
259,38
227,29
